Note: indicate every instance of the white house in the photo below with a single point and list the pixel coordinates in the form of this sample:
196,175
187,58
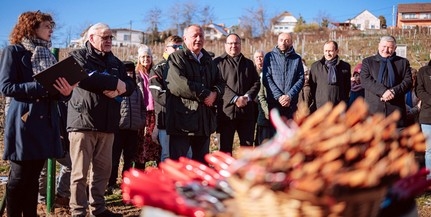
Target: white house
284,22
127,37
365,20
214,31
122,38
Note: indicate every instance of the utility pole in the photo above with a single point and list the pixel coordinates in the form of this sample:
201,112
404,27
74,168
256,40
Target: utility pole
393,15
130,29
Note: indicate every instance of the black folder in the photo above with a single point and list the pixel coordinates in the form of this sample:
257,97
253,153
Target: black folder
67,68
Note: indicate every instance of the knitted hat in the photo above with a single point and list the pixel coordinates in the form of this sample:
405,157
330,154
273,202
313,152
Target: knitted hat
144,49
357,68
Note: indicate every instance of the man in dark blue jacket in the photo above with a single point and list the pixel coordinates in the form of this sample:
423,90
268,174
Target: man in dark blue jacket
93,118
283,76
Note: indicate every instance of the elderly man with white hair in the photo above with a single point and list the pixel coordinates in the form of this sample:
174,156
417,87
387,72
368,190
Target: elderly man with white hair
92,119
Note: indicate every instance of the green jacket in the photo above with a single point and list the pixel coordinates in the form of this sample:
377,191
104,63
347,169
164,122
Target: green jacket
189,82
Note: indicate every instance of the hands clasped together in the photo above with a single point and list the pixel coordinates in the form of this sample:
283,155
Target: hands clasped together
388,95
121,88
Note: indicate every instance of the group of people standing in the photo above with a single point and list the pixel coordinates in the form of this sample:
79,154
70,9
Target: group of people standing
151,112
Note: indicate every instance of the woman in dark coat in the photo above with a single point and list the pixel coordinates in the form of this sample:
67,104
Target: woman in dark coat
32,132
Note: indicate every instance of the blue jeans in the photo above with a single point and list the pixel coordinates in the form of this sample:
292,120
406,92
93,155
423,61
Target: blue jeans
426,130
164,142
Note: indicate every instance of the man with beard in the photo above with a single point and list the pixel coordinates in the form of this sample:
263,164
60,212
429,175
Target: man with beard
283,76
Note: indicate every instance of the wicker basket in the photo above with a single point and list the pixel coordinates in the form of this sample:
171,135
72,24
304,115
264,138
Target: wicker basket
260,201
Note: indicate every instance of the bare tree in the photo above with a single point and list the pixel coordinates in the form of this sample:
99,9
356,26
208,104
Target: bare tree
323,19
246,26
153,18
187,12
255,20
207,15
185,17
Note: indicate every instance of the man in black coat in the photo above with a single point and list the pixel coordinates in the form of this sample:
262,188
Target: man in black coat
193,87
329,78
386,78
93,118
236,112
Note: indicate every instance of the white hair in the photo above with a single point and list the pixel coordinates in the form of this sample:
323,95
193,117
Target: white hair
96,28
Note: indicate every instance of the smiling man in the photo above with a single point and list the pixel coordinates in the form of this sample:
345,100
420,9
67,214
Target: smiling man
236,111
386,79
193,86
329,78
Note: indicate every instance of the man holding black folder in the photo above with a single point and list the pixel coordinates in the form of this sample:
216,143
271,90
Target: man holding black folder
92,120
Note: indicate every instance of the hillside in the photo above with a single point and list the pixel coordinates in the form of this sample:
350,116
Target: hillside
354,45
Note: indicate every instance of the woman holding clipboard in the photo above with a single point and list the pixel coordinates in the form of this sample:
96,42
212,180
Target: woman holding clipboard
32,128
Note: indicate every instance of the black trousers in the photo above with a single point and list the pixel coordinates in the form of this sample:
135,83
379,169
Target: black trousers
179,146
22,188
227,129
126,142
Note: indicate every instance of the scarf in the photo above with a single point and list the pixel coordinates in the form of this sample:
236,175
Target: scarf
332,70
148,98
386,74
42,58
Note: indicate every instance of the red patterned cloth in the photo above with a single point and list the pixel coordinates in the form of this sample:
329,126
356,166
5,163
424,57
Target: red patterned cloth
148,150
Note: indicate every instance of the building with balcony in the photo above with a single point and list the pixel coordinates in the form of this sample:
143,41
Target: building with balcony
417,15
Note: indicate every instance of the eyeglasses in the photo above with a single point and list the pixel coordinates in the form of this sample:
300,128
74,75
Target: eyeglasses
175,46
106,38
233,43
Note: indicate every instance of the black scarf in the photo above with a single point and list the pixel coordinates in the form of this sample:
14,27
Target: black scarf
386,71
332,70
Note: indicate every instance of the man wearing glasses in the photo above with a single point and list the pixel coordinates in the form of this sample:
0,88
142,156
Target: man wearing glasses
92,119
236,111
158,90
